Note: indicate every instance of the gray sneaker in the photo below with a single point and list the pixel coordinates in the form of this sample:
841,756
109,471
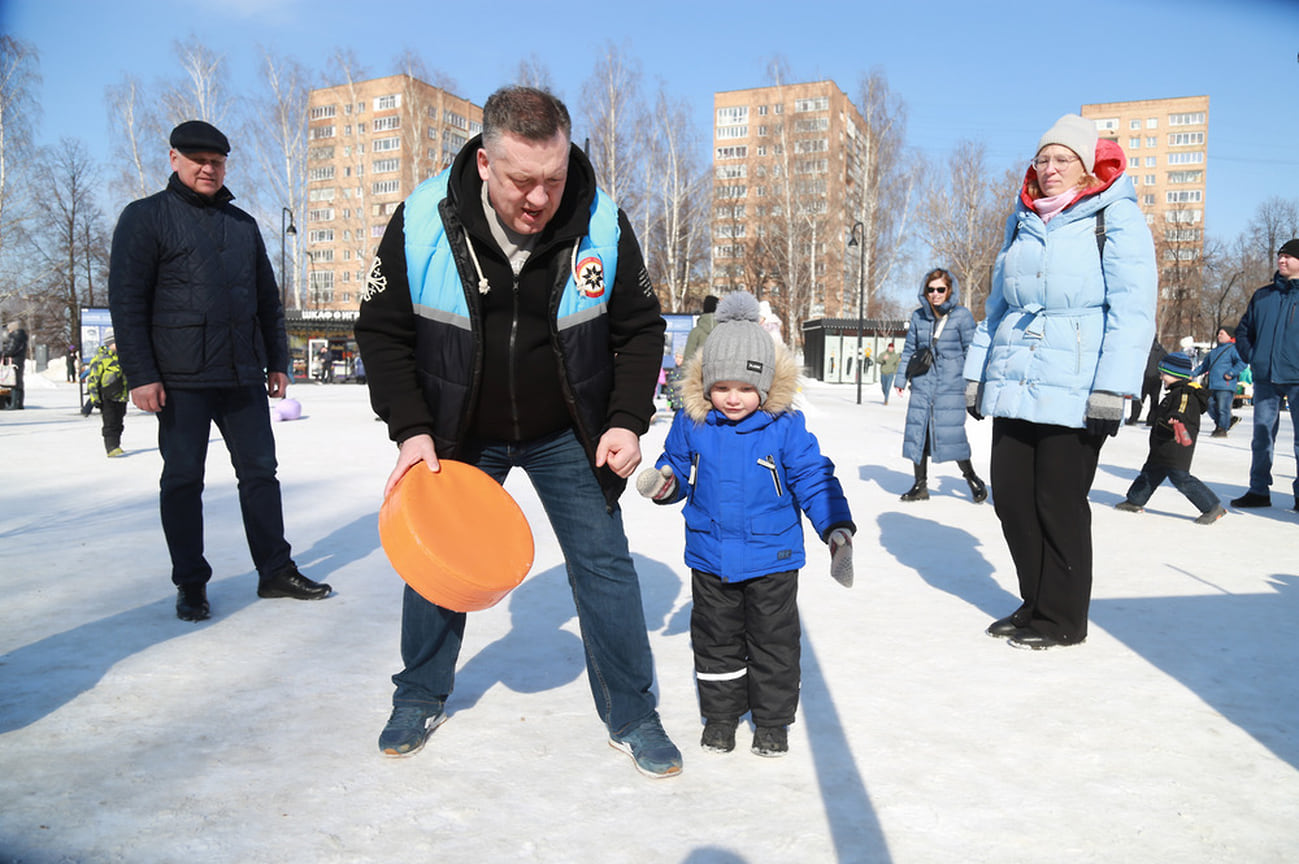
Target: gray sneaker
650,748
409,727
1212,516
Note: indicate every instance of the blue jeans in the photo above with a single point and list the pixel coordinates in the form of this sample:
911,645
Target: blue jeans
886,384
1152,475
184,425
1220,407
1267,420
606,589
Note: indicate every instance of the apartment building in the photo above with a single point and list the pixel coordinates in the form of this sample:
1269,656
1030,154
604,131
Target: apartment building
1166,144
370,144
787,170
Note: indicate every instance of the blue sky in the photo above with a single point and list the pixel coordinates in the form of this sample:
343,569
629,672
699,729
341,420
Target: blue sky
995,72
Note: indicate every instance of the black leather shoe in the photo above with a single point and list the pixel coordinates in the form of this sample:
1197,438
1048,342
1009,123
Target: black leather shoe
191,603
290,583
918,492
977,490
1003,628
1252,499
1036,641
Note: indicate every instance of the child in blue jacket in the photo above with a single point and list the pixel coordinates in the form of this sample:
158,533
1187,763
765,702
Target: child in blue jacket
742,458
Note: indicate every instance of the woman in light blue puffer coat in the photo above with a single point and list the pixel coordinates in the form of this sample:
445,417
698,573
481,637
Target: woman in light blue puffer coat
1069,322
936,411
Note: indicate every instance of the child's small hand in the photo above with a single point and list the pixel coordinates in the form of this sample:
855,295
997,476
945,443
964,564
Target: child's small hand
840,541
657,484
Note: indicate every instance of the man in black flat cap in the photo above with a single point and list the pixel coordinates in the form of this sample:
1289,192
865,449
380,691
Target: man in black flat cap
200,333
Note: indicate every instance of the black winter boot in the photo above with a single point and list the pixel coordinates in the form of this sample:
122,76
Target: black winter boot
919,491
977,489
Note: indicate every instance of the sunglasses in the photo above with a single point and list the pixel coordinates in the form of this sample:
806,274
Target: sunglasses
935,290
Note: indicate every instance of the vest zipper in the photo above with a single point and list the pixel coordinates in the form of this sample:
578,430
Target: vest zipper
513,379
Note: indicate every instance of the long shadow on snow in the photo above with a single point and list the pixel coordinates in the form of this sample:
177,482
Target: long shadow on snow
1231,650
38,679
971,581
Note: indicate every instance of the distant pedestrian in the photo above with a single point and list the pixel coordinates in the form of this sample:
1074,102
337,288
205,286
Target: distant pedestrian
942,328
1268,340
70,358
1175,428
1221,369
888,370
14,352
702,328
1150,383
109,393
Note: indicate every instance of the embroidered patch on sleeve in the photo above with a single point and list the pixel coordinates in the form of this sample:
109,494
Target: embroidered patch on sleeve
375,281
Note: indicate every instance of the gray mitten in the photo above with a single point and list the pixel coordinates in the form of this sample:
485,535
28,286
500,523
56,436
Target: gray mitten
840,541
657,484
1104,413
973,396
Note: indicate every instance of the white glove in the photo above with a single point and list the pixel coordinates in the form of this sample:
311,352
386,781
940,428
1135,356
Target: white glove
657,484
841,556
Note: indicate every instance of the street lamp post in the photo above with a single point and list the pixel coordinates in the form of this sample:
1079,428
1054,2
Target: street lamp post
284,275
861,294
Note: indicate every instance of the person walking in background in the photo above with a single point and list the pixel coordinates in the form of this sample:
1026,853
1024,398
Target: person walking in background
704,326
1267,338
888,370
943,329
109,392
1150,384
70,357
1221,369
200,331
748,468
542,353
1173,435
1069,318
14,352
770,321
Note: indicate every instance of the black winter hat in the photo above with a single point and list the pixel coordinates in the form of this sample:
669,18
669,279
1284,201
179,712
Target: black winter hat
1290,247
196,136
1176,364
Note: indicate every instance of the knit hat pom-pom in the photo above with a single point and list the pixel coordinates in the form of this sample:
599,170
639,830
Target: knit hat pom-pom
738,306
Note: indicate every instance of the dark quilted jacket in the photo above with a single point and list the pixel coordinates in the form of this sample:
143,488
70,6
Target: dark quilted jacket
192,293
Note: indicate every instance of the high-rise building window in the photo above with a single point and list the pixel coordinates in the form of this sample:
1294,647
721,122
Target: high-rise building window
1152,161
386,103
818,103
1183,196
1194,118
323,112
1193,158
732,131
735,116
384,144
383,124
1184,139
318,132
386,166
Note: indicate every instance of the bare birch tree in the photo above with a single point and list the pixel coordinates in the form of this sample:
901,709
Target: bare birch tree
275,130
202,94
137,136
532,71
613,113
963,216
886,183
18,113
69,240
675,234
346,71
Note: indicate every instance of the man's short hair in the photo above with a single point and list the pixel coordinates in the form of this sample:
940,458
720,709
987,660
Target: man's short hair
527,112
710,304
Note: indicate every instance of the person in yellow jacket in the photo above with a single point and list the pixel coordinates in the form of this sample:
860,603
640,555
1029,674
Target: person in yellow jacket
109,392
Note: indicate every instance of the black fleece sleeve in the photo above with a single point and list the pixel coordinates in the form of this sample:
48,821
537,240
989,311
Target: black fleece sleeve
385,334
636,328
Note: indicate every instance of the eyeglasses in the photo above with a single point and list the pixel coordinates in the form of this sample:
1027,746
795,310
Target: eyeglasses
933,290
1041,163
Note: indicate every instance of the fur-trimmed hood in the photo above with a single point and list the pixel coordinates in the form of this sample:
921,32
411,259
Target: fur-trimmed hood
784,386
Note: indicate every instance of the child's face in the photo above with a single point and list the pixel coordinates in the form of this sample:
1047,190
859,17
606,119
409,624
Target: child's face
1169,380
735,399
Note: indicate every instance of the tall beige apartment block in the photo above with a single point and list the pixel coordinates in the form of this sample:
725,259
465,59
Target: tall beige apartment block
370,144
1166,142
786,174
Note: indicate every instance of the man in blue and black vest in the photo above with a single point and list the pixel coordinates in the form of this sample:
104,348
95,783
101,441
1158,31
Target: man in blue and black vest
508,320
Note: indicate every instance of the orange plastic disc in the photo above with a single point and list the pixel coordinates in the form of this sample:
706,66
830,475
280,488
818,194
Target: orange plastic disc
456,536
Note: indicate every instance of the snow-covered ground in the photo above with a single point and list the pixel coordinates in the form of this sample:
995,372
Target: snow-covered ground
129,736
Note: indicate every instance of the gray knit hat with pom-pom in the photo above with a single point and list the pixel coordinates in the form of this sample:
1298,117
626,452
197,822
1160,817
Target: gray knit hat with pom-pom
739,349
